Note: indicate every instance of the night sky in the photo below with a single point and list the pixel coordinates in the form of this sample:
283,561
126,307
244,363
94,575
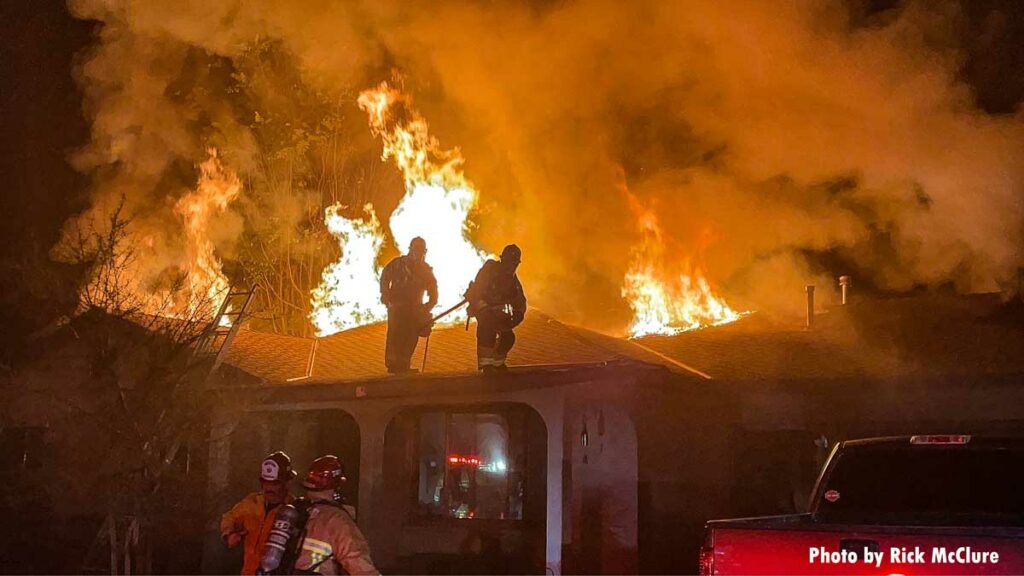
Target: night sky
42,121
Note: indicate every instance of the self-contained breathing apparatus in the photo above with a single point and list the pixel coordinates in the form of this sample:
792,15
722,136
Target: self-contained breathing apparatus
285,539
284,543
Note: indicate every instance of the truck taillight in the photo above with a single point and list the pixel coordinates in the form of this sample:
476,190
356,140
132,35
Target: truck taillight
707,553
940,439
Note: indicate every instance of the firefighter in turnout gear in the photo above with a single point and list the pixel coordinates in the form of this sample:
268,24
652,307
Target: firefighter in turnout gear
403,284
497,301
250,520
331,541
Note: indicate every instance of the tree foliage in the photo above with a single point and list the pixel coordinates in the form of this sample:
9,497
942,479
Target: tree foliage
121,396
312,151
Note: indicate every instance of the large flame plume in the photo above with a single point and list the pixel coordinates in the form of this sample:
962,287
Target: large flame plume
436,206
667,299
206,285
349,295
807,131
127,283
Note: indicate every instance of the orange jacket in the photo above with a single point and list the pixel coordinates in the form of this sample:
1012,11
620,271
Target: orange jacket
250,515
331,530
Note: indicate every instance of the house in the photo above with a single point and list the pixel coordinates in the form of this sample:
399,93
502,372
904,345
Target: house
427,453
601,455
878,366
76,413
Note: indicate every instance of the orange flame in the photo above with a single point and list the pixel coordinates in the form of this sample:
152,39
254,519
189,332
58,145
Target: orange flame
129,283
349,295
206,285
665,302
436,206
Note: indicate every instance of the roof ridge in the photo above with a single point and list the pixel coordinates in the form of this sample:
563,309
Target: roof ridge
574,332
578,332
671,360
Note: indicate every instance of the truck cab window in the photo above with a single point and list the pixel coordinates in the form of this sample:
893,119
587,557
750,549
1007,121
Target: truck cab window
934,486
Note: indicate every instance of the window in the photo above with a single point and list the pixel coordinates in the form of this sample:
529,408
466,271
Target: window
471,465
929,486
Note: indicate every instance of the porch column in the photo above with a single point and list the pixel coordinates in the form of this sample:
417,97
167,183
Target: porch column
551,407
372,425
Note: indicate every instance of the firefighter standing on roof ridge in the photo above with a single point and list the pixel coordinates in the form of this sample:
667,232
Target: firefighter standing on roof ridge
403,283
331,539
251,519
497,301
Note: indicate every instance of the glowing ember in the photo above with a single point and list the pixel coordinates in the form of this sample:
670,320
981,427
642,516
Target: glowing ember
206,285
349,294
436,206
667,303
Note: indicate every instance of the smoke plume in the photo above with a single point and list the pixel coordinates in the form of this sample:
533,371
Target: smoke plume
769,137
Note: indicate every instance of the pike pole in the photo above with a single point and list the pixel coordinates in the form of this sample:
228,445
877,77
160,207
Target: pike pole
449,311
426,345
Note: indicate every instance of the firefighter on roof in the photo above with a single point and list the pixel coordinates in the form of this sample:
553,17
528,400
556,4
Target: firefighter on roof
331,541
497,301
250,520
403,284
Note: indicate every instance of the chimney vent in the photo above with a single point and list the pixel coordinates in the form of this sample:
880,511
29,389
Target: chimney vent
810,306
844,284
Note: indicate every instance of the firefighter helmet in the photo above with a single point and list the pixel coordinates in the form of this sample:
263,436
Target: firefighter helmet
325,473
511,254
277,467
418,246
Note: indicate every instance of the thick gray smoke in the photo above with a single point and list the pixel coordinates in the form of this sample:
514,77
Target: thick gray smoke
761,132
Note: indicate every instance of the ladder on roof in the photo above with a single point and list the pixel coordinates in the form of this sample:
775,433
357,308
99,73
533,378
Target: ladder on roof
216,339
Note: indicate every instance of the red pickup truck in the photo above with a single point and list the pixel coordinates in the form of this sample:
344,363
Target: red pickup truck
938,504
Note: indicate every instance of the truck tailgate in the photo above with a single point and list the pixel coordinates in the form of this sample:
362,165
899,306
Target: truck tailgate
741,550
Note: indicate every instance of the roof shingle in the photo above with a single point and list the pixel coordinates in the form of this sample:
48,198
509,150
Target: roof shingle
976,334
871,338
358,353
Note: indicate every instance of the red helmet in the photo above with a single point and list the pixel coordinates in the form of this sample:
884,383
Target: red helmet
325,473
277,467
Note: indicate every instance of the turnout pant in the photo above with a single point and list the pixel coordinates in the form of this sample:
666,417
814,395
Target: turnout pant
494,338
403,334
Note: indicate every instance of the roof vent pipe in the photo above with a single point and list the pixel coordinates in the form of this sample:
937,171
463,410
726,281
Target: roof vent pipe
810,306
844,284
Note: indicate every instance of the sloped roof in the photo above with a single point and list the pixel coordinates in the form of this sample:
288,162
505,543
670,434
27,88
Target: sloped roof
269,356
870,338
358,354
921,335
